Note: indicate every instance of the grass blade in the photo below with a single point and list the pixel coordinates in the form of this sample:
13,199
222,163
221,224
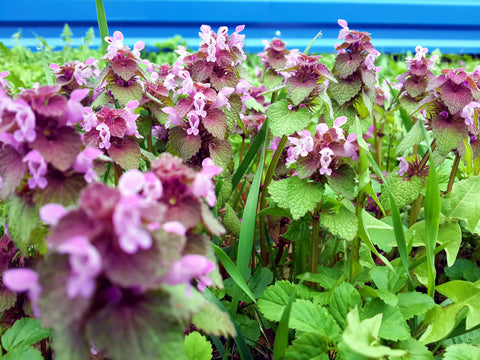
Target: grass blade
432,218
251,153
397,221
239,340
233,271
281,335
102,23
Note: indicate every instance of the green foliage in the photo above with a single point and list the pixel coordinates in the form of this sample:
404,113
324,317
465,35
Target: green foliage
197,347
284,121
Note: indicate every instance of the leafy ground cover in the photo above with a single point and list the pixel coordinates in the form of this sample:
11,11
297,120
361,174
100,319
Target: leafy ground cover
213,205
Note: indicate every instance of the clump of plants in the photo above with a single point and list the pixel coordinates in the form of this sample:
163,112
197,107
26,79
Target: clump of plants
205,209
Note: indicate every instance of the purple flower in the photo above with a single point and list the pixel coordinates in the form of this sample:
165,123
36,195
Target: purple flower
90,120
37,168
203,186
187,268
152,188
174,227
52,213
104,132
403,166
86,264
84,163
25,119
325,160
302,146
193,121
21,280
131,182
127,221
74,111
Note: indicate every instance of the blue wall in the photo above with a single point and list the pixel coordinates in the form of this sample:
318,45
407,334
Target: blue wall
396,25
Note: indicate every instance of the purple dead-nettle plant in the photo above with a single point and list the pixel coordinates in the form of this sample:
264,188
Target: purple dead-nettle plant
355,72
123,248
122,79
114,131
274,57
415,80
324,152
40,145
452,108
76,74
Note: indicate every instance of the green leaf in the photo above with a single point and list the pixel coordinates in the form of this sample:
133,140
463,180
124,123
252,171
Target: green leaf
344,90
249,328
343,224
124,94
298,90
362,337
343,181
413,137
297,195
449,236
186,145
284,121
380,233
343,299
393,327
308,346
254,105
23,354
463,202
415,351
414,303
404,191
22,220
214,321
281,336
126,153
442,320
309,317
23,333
274,300
220,152
388,279
462,352
197,347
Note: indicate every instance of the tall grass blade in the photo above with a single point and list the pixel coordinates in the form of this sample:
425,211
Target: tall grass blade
102,23
432,218
281,335
307,49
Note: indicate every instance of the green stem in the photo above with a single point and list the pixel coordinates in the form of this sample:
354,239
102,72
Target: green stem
315,238
427,155
117,173
263,198
417,206
453,173
378,144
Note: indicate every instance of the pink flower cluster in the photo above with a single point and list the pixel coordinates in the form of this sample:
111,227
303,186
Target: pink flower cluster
322,151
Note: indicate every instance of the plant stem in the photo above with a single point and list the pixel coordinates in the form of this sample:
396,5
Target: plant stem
417,206
149,142
315,238
117,173
427,155
453,173
263,198
378,144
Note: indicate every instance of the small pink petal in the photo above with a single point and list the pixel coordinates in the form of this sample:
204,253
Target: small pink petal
52,213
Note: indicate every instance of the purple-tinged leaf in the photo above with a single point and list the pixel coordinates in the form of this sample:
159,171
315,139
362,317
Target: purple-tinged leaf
418,68
74,223
135,327
126,153
12,170
299,89
53,107
60,147
346,64
456,97
436,82
7,298
369,78
344,91
306,166
220,152
342,181
60,189
141,269
100,201
223,79
56,308
201,70
183,107
124,94
187,210
415,86
91,138
216,123
117,126
124,67
277,60
69,343
224,58
186,145
448,135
